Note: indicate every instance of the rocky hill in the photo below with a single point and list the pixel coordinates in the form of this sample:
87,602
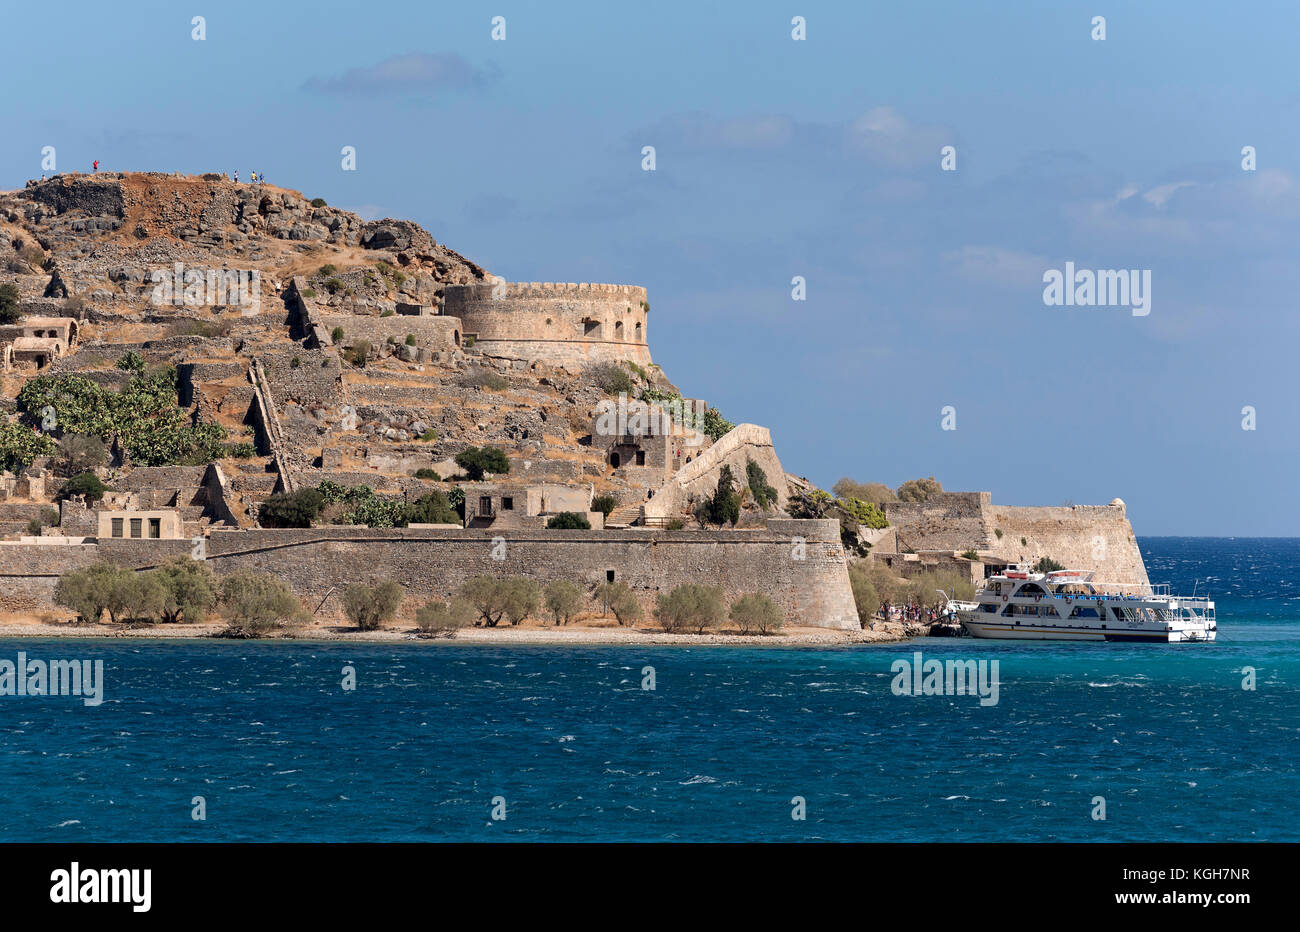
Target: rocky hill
336,364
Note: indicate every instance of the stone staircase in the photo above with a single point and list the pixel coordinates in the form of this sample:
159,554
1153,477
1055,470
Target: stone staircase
623,516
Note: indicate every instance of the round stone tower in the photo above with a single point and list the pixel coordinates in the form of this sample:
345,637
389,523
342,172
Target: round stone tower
571,325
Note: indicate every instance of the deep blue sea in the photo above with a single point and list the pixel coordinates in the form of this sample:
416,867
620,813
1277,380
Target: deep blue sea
279,751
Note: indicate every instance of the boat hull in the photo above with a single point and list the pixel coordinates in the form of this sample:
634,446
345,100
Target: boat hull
1000,630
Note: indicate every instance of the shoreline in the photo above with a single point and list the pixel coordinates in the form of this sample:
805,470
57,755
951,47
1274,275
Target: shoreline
565,636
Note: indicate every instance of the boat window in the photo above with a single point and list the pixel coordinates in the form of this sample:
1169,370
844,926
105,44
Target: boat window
1031,589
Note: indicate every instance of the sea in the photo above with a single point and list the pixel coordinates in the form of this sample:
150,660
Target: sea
435,741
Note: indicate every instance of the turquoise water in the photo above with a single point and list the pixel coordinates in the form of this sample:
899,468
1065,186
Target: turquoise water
578,750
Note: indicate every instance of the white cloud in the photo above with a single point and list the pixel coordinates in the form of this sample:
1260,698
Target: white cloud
998,265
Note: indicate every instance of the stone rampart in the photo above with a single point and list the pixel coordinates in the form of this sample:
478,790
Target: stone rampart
570,325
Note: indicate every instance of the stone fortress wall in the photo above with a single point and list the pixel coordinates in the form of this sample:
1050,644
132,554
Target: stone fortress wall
800,564
570,324
1082,537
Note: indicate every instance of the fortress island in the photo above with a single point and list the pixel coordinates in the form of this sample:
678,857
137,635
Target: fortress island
197,369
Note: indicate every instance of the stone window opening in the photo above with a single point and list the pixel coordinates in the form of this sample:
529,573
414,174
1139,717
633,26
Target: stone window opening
155,528
591,328
117,527
507,503
137,527
615,460
638,332
640,457
485,505
618,331
609,575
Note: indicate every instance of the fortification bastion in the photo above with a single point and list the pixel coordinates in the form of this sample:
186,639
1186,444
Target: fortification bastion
572,325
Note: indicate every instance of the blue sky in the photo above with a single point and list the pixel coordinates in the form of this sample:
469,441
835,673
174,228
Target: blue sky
778,158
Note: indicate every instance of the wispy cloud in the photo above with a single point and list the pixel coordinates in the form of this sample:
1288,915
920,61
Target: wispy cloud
998,265
880,134
416,72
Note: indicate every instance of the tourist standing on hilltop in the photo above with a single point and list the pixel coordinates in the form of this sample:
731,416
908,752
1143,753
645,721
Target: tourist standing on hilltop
94,167
236,177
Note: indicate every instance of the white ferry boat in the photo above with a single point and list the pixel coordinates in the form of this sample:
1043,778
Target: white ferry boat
1067,605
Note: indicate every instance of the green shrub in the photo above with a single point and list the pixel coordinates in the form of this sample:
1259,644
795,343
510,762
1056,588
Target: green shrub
481,377
611,378
132,362
620,600
444,619
605,504
433,508
478,461
326,270
318,202
20,444
256,604
523,598
865,595
488,597
674,524
998,532
143,416
242,450
127,596
189,590
424,472
1047,565
563,600
715,425
410,339
765,494
864,513
645,376
388,313
568,521
756,612
876,493
88,591
724,506
334,285
428,436
9,296
369,608
34,527
970,555
299,509
918,490
690,605
357,353
514,598
86,484
81,453
336,335
295,362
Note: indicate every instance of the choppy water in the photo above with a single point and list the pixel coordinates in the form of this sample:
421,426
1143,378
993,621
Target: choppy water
578,750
